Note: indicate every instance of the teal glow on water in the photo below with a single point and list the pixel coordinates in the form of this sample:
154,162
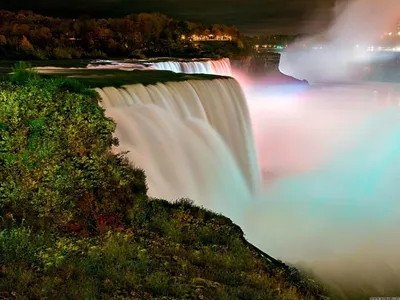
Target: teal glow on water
340,205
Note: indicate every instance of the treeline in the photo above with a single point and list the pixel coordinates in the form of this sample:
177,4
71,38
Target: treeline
273,39
31,36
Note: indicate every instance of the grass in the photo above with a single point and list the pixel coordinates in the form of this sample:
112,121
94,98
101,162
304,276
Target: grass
6,65
180,251
98,78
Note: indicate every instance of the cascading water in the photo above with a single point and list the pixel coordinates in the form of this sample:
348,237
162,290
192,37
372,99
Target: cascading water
217,67
336,195
192,138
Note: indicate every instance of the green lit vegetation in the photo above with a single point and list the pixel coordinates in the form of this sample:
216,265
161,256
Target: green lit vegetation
93,78
114,77
76,221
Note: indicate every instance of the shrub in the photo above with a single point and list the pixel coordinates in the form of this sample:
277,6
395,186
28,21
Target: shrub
3,40
22,73
39,54
74,86
19,245
56,168
61,53
75,53
137,54
97,54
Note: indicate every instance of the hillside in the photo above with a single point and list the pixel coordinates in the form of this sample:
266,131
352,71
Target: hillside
76,221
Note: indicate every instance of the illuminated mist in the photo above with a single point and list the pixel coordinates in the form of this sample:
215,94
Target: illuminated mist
334,54
333,200
333,152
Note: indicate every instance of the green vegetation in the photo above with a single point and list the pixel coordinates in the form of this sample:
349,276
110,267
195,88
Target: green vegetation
76,222
26,35
114,77
55,164
6,66
22,72
174,250
93,78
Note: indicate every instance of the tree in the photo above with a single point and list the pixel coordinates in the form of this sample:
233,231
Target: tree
34,36
25,45
3,40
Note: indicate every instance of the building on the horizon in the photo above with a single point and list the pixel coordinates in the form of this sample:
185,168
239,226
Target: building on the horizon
211,38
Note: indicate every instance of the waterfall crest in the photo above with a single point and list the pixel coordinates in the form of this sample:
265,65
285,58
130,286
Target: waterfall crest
215,67
167,127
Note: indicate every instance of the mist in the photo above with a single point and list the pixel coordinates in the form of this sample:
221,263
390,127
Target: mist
332,54
330,203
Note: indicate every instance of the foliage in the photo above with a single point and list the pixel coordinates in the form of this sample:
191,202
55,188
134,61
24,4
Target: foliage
137,54
147,262
55,161
97,54
61,53
19,244
22,73
272,40
117,78
3,40
30,36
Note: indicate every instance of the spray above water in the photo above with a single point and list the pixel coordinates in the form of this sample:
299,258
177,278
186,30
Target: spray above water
333,55
337,210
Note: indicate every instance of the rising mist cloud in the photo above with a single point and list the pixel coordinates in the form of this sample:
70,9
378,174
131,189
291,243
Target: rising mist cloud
356,26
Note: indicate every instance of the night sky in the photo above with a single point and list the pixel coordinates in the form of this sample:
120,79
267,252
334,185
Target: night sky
250,16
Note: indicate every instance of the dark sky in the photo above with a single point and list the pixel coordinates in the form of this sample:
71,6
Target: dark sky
250,16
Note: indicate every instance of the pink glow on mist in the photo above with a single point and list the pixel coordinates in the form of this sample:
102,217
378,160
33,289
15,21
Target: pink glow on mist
299,128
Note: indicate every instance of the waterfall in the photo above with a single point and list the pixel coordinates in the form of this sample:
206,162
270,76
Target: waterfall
336,151
192,138
216,67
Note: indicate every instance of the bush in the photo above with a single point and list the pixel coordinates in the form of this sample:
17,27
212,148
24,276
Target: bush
22,73
3,40
74,86
75,53
97,54
137,54
56,168
39,54
60,53
19,245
